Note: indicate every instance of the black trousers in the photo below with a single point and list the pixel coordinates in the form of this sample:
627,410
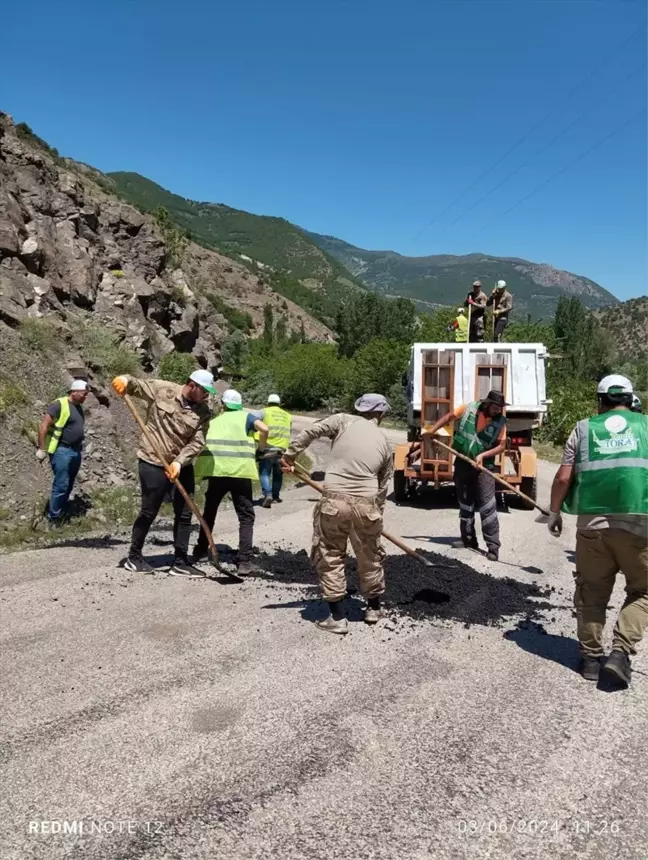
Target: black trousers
155,486
476,490
240,490
500,325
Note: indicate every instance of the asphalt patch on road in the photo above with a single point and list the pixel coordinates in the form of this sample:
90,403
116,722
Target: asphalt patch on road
453,591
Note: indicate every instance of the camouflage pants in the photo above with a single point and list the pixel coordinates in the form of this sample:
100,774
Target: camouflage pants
337,519
477,329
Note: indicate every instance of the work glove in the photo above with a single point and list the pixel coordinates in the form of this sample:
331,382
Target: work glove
41,455
173,471
555,523
120,384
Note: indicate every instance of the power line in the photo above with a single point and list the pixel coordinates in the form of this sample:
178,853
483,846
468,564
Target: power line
542,149
564,169
533,128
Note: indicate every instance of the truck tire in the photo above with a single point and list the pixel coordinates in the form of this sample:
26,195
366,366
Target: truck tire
400,487
529,486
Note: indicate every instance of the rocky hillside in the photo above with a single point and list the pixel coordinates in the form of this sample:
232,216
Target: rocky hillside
627,325
90,286
270,244
445,279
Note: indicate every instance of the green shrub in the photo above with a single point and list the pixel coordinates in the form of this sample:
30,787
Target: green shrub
102,350
39,335
176,367
12,396
236,319
572,401
309,374
117,273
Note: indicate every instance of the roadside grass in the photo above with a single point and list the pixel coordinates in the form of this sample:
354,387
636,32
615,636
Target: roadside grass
548,451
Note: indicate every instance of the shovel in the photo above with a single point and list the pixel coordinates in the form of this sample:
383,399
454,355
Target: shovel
305,477
213,555
500,480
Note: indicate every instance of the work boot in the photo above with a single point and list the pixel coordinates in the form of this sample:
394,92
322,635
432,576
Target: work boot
618,668
373,616
589,668
465,544
181,567
492,555
332,626
248,568
267,502
138,565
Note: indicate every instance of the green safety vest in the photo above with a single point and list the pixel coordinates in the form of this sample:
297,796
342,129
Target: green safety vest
229,452
611,468
279,424
55,430
461,332
469,442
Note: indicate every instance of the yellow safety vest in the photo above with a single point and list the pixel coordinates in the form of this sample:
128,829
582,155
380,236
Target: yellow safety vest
229,452
279,424
55,430
461,332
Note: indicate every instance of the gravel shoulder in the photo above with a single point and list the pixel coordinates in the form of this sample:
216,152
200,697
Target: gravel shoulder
174,719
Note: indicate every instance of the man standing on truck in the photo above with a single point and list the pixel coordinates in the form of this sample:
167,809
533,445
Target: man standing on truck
480,433
502,303
459,326
476,301
604,479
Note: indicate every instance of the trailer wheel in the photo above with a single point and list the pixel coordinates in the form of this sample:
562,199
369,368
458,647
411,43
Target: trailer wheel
400,486
529,486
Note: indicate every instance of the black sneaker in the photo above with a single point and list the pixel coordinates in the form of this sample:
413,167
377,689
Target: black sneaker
180,567
618,668
277,501
589,668
492,555
267,502
198,555
138,565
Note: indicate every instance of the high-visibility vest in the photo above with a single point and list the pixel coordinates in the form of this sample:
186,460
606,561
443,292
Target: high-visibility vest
229,452
55,430
466,440
279,424
611,468
461,332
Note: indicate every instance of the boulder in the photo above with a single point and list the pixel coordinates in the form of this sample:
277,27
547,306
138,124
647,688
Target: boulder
184,331
11,224
13,297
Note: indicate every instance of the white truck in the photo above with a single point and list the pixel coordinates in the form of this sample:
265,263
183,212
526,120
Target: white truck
441,376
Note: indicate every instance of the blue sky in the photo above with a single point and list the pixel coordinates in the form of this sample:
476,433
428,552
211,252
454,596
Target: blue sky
364,120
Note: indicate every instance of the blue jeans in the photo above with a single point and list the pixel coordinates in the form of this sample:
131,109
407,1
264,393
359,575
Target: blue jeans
65,464
271,477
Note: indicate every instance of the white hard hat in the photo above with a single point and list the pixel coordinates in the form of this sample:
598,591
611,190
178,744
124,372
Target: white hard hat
232,399
614,384
501,285
274,398
204,379
460,310
78,385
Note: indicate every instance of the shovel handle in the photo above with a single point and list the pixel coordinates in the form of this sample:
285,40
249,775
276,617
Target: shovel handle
499,479
162,458
392,538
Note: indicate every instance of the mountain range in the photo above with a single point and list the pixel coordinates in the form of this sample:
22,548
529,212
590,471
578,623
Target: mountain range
332,267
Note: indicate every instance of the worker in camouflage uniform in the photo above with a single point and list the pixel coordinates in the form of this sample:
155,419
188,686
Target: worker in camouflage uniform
351,508
476,302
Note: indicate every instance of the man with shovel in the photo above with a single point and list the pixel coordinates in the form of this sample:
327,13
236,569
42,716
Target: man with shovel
177,420
480,433
351,508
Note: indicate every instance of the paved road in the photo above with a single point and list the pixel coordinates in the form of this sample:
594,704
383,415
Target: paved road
170,719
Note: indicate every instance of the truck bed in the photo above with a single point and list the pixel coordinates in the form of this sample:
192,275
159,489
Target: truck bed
525,385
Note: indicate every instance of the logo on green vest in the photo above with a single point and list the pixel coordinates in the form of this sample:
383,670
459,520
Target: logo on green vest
621,438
